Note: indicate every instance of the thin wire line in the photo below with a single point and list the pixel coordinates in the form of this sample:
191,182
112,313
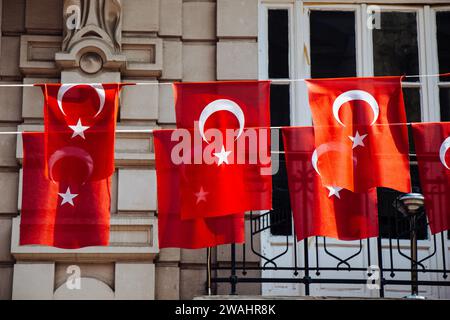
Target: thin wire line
427,75
135,130
152,130
16,85
170,83
407,76
117,131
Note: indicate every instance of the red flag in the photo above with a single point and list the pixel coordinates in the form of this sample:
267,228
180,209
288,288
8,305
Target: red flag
173,231
319,210
69,213
229,156
81,118
365,120
432,141
252,97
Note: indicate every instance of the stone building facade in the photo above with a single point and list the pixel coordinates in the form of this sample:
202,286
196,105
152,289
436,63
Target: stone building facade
157,41
162,41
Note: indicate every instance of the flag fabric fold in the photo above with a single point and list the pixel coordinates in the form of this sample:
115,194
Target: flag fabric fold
81,118
432,141
362,123
216,165
319,210
245,101
67,170
173,230
228,153
67,213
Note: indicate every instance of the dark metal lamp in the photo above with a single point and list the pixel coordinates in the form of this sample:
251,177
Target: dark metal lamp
411,205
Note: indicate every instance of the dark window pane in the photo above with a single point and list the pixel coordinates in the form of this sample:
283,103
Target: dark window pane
444,95
280,216
393,223
443,41
278,44
395,49
412,104
413,111
333,46
280,105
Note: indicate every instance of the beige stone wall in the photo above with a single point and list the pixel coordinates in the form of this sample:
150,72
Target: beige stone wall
161,41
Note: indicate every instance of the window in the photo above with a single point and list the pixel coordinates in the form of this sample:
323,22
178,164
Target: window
280,217
278,65
443,40
278,34
333,40
395,44
396,52
443,54
443,48
391,49
333,46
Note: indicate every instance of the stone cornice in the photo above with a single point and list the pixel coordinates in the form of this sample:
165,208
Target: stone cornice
132,239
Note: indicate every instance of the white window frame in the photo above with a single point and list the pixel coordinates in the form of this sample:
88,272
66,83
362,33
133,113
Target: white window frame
434,83
300,68
300,49
304,117
263,69
364,47
263,48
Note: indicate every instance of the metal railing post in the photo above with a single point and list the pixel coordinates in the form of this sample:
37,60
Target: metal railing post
306,257
233,277
414,276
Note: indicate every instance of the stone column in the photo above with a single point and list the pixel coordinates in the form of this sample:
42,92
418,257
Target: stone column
102,41
9,119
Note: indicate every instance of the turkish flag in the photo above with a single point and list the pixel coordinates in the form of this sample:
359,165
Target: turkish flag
319,210
68,213
173,231
81,119
362,122
229,155
432,141
252,97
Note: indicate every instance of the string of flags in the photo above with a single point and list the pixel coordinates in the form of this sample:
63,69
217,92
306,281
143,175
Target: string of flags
216,165
171,83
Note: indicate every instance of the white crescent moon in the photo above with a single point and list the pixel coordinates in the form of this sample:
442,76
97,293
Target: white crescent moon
314,160
355,95
443,150
221,105
70,152
327,147
97,87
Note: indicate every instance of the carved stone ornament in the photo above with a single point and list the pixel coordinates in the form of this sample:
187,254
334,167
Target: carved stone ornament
88,19
92,41
92,37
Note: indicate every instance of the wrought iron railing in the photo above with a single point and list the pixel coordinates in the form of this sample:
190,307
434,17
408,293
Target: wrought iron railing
392,243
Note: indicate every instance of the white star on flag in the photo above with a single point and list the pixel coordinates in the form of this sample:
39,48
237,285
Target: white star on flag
334,191
222,155
78,129
67,197
357,140
201,195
